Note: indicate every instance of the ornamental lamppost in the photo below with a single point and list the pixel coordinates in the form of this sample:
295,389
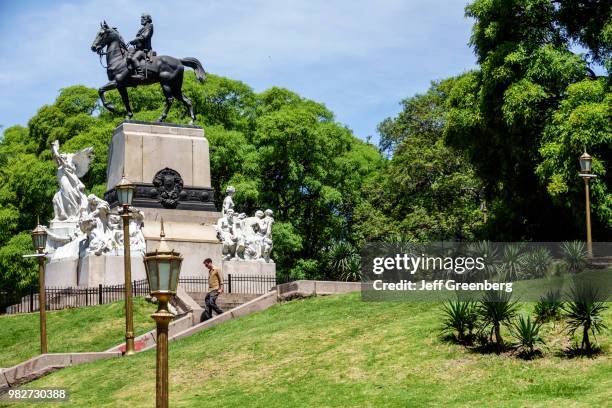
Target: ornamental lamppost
39,240
484,210
163,267
125,194
586,173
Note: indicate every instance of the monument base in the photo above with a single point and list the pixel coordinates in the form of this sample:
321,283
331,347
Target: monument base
62,273
92,270
97,270
248,268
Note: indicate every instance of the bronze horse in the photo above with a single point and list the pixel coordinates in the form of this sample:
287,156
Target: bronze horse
166,70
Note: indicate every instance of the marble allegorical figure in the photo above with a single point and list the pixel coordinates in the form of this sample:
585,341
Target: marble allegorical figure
225,234
70,199
242,237
85,224
228,201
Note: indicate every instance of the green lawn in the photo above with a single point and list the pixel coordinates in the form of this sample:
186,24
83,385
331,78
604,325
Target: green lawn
343,352
94,328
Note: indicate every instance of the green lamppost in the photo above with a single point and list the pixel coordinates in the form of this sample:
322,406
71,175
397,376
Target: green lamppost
125,194
39,240
163,268
586,173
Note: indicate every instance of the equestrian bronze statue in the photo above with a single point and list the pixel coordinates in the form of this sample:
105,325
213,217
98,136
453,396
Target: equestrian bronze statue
139,65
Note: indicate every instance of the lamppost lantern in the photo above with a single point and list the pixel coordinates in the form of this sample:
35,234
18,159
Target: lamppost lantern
39,238
585,163
163,268
125,192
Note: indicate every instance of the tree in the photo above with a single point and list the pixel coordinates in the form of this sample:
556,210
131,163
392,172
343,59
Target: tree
279,150
427,190
501,113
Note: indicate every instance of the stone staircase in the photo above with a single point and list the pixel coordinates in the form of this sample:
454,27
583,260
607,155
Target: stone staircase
226,301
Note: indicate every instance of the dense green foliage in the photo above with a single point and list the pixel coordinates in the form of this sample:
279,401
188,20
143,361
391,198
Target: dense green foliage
529,111
279,150
427,190
526,332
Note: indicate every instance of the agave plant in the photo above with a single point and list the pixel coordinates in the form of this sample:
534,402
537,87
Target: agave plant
460,318
574,255
527,335
340,258
548,307
584,311
496,308
353,271
513,263
488,251
537,263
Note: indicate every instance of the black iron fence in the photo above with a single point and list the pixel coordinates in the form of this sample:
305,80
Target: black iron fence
234,284
71,297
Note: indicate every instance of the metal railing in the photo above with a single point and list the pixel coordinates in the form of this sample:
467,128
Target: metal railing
72,297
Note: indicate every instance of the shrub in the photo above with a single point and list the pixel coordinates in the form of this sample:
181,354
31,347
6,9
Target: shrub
537,263
584,311
574,255
460,319
548,307
496,309
527,334
513,263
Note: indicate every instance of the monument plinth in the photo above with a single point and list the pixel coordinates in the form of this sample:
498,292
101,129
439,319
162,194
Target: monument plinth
170,166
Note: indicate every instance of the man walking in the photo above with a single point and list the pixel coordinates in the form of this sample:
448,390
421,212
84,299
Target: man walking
215,287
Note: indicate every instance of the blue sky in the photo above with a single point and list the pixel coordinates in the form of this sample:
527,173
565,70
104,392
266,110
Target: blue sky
360,58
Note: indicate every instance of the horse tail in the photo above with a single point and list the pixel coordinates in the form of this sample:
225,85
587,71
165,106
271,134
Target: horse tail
194,64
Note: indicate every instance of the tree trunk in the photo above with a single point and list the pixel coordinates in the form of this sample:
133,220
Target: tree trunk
498,338
586,343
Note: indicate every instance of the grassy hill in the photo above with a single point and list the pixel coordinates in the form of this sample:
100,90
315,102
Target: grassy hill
94,328
340,351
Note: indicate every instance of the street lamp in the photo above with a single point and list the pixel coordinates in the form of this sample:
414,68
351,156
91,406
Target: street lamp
484,209
586,163
163,267
125,194
39,240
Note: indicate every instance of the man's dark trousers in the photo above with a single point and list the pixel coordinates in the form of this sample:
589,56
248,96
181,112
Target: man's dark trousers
210,304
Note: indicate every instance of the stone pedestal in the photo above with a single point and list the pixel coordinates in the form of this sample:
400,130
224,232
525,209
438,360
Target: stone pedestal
192,233
108,269
62,273
169,164
92,270
248,268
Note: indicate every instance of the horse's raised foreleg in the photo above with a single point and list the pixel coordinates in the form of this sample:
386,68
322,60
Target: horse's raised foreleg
126,101
169,98
102,90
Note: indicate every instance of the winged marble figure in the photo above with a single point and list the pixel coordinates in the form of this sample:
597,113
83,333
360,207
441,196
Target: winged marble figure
70,200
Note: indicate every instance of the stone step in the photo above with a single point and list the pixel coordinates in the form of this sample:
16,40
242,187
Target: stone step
225,301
